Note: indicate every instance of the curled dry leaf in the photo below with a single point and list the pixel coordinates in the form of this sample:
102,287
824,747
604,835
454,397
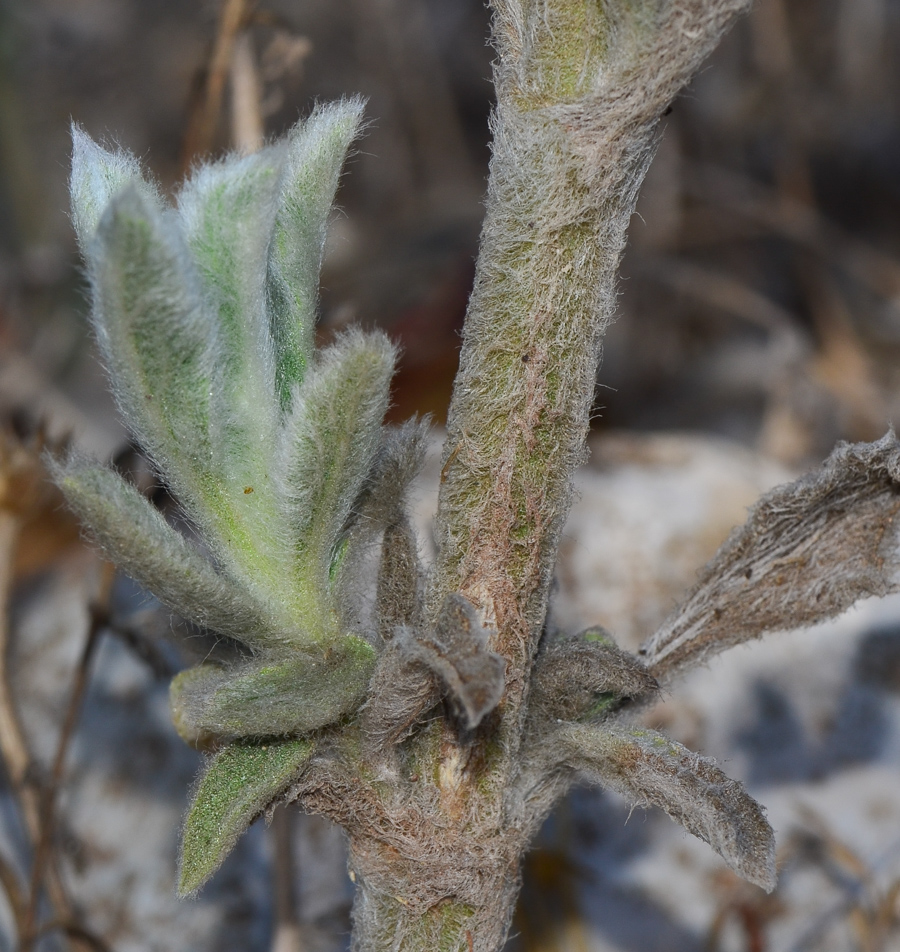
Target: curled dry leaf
415,669
397,600
381,512
402,689
456,651
808,551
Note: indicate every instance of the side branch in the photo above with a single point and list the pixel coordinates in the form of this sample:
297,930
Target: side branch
808,551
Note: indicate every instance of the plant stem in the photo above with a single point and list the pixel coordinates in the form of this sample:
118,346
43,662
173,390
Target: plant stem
420,915
574,131
580,90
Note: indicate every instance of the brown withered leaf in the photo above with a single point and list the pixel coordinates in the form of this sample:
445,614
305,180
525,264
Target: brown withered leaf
381,509
456,651
807,552
397,600
416,669
649,769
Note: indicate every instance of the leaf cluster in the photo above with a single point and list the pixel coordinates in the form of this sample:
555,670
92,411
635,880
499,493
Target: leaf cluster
204,313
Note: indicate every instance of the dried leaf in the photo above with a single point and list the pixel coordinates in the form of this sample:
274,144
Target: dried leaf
650,770
808,551
397,600
399,460
381,508
238,784
456,650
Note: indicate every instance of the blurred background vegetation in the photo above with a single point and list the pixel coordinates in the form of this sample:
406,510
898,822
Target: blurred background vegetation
761,297
174,81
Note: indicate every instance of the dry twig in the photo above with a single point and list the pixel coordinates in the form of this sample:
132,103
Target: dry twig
204,119
99,615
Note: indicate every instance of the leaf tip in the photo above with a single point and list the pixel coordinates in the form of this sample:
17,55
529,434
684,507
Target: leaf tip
237,785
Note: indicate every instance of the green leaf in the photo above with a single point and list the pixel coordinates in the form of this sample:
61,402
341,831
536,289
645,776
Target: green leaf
227,212
292,696
97,176
329,443
238,784
139,540
157,340
160,343
316,152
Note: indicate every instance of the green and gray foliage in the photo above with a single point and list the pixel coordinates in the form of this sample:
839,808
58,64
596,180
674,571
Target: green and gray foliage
205,315
435,717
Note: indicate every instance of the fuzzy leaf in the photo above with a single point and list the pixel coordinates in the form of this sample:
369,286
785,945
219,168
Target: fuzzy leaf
583,676
382,509
140,541
284,697
97,176
399,460
315,154
456,650
402,689
648,769
808,551
155,336
227,212
329,443
237,785
160,344
397,599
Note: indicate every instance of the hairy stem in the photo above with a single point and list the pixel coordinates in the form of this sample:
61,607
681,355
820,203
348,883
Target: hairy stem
581,87
424,914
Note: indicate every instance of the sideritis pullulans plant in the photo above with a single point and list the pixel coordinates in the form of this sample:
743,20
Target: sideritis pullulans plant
434,715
